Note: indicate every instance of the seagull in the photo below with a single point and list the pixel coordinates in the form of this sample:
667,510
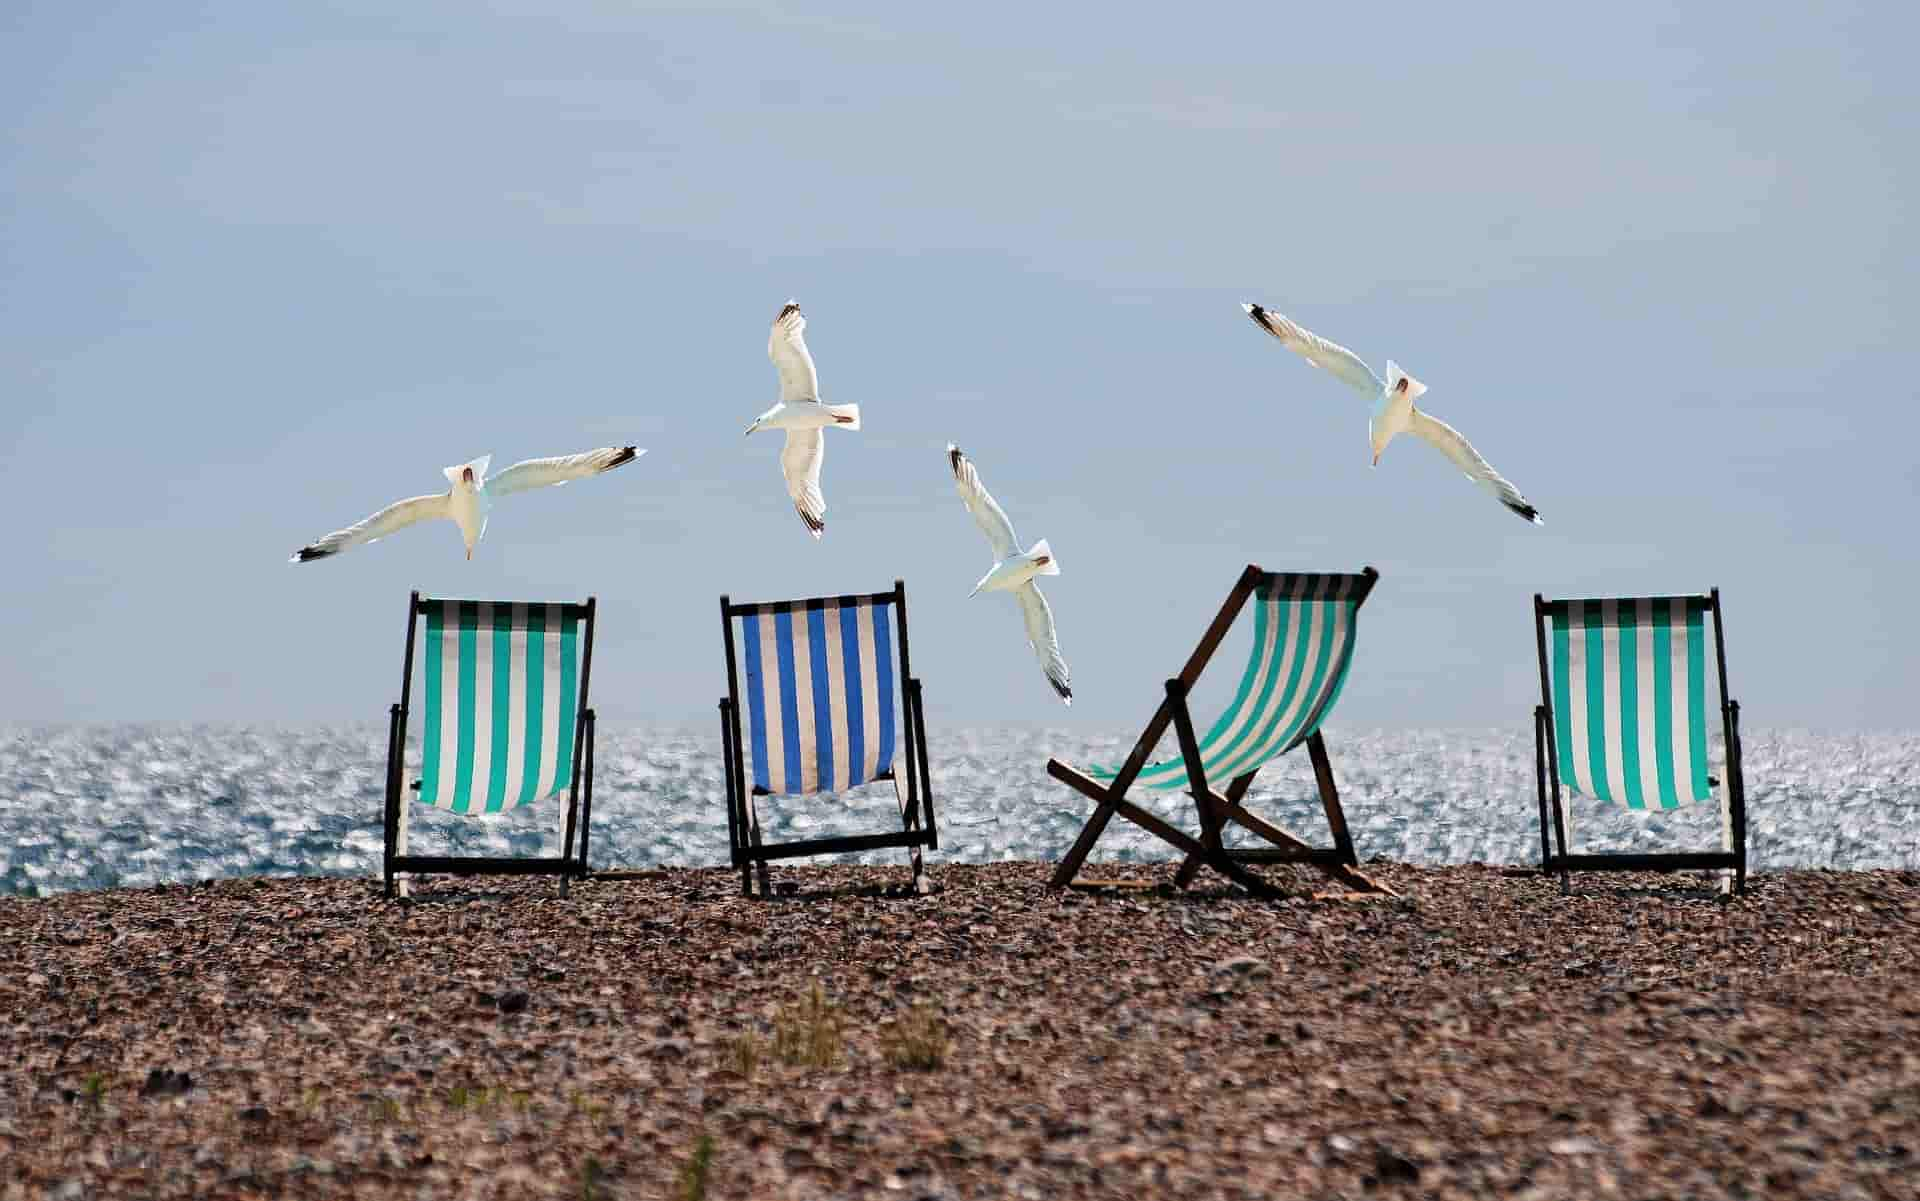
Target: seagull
466,502
801,414
1393,411
1013,570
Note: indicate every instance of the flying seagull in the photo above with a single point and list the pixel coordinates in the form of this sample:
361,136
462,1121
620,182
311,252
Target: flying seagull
1014,570
469,498
1393,411
801,414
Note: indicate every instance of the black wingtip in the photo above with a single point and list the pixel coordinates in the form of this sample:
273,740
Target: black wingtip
954,457
627,455
815,526
792,306
308,554
1066,693
1259,317
1527,511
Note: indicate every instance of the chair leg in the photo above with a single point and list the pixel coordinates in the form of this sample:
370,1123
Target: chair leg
1330,799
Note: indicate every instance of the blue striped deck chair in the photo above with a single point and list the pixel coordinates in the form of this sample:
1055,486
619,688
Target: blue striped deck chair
1623,719
1304,627
814,705
504,723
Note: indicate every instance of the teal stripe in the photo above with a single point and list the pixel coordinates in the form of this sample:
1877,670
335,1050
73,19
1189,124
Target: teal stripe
536,669
1329,613
1251,740
465,671
1697,699
1627,616
430,743
1563,696
1663,703
1596,682
1262,607
1343,671
1220,759
569,702
502,705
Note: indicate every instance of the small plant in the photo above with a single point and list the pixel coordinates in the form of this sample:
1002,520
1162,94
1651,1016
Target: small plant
808,1034
94,1089
693,1173
917,1041
590,1176
384,1109
746,1053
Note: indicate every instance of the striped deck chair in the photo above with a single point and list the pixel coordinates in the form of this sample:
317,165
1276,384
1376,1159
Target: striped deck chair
503,724
1622,719
822,700
1304,627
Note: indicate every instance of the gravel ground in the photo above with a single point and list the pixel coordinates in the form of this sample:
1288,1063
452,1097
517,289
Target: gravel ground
1482,1035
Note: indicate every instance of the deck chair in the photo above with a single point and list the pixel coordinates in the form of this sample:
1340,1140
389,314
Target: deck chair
505,723
1303,637
1623,719
819,684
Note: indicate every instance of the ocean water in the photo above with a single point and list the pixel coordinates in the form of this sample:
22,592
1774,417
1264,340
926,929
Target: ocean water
132,805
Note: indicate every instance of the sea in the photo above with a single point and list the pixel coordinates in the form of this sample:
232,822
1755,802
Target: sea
125,806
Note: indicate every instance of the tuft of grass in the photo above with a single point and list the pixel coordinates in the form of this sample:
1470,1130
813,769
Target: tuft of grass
591,1174
917,1040
808,1033
746,1053
94,1089
693,1173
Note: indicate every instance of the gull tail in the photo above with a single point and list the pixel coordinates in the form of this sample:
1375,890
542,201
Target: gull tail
846,417
1042,551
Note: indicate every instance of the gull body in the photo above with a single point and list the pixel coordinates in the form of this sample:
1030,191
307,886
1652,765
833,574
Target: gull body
1015,571
468,500
802,415
1394,412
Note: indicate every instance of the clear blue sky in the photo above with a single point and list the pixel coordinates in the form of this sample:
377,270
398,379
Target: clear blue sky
264,268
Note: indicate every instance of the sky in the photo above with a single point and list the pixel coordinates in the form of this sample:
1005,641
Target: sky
265,268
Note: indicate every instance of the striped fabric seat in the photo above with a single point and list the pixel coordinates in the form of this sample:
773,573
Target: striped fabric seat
819,694
1630,699
1303,637
502,685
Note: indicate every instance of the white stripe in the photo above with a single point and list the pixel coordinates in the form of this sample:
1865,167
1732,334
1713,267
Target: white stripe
1643,674
869,694
449,701
517,709
550,766
1221,763
1265,651
1682,718
776,764
482,710
837,699
1337,652
1610,684
1311,608
1577,696
803,702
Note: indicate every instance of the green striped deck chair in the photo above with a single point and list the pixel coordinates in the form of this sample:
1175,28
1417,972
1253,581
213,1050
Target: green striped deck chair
1304,627
504,723
1623,719
818,701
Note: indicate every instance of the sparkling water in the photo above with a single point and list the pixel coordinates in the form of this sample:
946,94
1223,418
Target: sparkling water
128,805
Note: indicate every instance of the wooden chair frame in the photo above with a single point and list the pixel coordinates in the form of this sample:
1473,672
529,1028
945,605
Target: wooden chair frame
1554,857
913,784
579,792
1216,809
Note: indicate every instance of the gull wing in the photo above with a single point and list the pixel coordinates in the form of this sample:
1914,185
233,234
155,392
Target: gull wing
800,461
787,347
539,473
396,516
1343,363
986,511
1451,443
1040,636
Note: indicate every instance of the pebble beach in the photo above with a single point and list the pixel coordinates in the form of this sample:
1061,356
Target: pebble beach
1478,1035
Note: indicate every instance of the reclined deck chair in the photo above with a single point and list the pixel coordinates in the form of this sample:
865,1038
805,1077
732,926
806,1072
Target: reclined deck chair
1623,718
1303,637
504,724
820,717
